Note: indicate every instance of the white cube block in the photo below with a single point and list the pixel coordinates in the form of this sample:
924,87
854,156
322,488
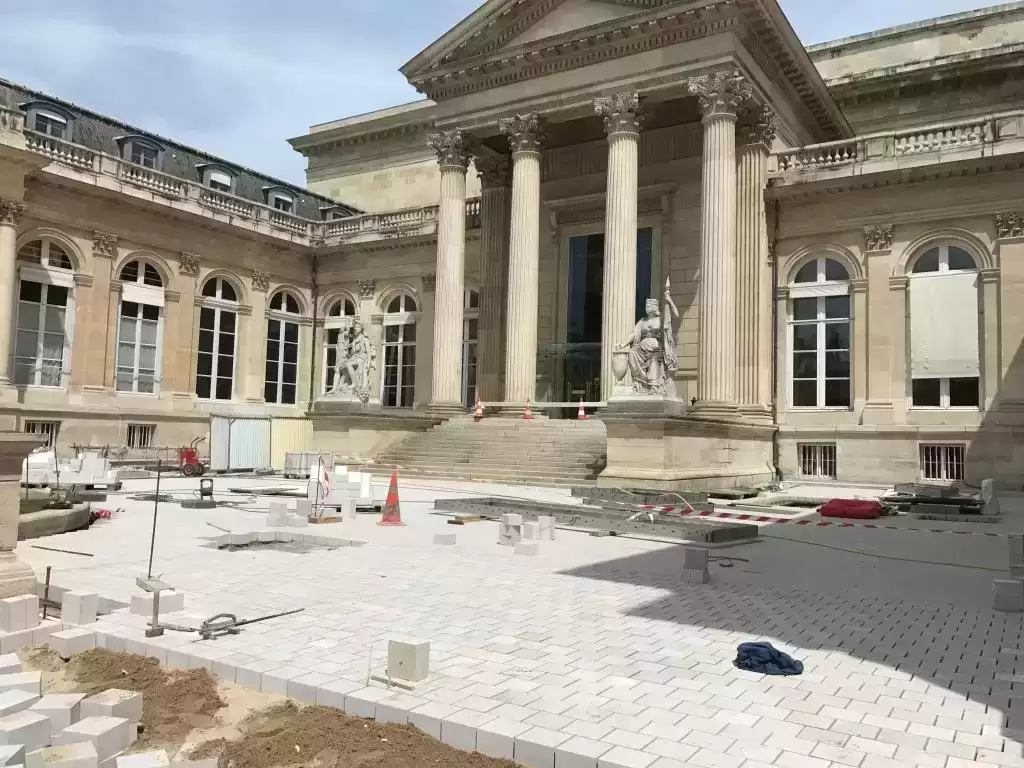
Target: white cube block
298,521
156,759
695,558
444,539
530,531
409,659
170,602
16,700
10,664
79,607
511,518
528,548
265,537
303,507
1008,595
110,735
114,702
41,634
63,709
11,642
28,728
31,606
80,755
12,754
277,515
72,641
30,682
13,615
547,527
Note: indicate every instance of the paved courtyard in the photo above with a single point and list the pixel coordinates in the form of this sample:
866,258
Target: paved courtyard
595,653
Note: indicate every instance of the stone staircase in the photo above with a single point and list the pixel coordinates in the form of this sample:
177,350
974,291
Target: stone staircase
550,452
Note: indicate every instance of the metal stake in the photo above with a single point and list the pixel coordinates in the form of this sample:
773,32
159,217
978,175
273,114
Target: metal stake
46,591
152,540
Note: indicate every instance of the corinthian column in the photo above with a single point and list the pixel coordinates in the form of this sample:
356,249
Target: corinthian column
446,373
524,136
721,96
753,276
11,212
622,124
495,211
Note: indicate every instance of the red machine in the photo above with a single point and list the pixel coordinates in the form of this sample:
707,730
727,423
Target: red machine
189,463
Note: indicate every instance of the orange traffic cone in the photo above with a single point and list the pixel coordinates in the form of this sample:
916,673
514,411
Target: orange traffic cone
392,512
478,412
528,413
581,415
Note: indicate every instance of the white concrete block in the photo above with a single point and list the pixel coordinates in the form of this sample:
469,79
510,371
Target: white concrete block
298,521
79,607
547,527
30,729
80,755
13,615
72,641
303,508
156,759
277,515
16,700
265,537
30,682
528,548
511,518
1008,595
695,558
237,540
63,709
41,634
170,602
114,702
530,531
12,754
210,763
31,605
697,576
110,735
409,659
444,539
10,664
10,642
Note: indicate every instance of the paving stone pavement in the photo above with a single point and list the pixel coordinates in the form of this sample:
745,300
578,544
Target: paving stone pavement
594,652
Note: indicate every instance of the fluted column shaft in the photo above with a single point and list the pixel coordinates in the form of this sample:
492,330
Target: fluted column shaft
446,371
10,214
721,95
495,212
524,258
622,125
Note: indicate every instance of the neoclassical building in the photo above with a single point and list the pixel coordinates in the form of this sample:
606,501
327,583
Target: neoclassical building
831,237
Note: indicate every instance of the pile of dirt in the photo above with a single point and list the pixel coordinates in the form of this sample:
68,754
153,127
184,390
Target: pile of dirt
174,701
323,737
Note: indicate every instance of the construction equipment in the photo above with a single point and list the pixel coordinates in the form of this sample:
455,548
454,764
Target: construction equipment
189,463
225,624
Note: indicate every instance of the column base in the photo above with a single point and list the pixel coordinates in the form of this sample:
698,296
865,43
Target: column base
715,409
759,414
447,410
16,578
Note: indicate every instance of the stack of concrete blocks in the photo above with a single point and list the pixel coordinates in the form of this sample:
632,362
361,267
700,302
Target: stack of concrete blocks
695,565
300,517
347,491
277,517
171,601
159,759
37,467
19,623
510,529
85,469
1008,594
546,523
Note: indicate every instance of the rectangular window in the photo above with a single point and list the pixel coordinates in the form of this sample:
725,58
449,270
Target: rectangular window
470,337
282,362
215,362
943,462
817,460
47,429
40,341
141,435
137,345
50,124
219,181
399,388
143,155
283,204
962,392
820,338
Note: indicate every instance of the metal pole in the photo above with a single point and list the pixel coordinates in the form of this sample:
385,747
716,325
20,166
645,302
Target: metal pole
156,506
46,591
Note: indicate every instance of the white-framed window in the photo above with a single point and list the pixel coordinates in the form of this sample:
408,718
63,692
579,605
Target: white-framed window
218,330
817,460
50,123
281,382
222,181
143,154
339,319
945,332
47,429
470,345
820,335
282,202
398,386
141,436
140,328
45,315
943,462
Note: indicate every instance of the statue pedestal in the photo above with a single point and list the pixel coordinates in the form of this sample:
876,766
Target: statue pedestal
16,578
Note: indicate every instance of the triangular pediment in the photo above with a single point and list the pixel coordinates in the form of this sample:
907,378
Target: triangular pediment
572,15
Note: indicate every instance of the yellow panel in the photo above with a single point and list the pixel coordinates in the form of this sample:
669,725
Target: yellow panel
288,436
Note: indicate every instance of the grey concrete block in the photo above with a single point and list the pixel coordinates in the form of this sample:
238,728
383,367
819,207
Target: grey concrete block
695,558
16,700
30,729
31,682
79,607
114,702
109,735
63,709
1008,595
72,641
12,754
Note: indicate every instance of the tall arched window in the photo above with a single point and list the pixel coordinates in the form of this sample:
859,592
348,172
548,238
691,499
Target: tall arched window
470,338
218,323
820,335
282,378
944,330
139,331
339,319
399,384
42,348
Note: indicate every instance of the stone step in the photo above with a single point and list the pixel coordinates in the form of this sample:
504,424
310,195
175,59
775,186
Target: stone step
554,481
495,451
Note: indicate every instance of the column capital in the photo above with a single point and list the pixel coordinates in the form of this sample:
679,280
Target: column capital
722,93
451,149
494,170
760,133
104,244
525,131
11,212
621,112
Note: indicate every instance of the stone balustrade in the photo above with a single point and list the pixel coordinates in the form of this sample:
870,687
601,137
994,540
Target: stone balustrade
62,151
11,119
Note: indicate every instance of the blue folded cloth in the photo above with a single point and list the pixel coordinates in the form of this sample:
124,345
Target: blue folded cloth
766,659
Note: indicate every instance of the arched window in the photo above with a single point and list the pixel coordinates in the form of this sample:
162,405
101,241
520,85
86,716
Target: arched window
820,335
140,329
281,383
470,338
339,319
44,324
398,389
218,323
942,288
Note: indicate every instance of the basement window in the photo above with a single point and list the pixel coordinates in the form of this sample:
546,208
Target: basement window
817,460
943,462
141,435
47,429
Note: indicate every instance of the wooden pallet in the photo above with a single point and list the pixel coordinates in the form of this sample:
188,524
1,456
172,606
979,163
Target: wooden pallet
324,520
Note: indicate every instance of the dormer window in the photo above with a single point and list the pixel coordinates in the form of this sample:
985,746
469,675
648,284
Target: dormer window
283,203
279,198
143,155
48,119
141,150
218,178
332,214
51,124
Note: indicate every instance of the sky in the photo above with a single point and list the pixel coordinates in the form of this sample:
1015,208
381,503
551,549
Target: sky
237,78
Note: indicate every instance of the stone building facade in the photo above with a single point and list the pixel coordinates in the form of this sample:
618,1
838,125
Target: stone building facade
837,227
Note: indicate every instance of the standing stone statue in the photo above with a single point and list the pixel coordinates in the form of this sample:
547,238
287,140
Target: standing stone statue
650,354
355,361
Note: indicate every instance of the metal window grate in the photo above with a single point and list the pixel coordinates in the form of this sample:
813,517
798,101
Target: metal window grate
141,435
48,429
817,460
943,462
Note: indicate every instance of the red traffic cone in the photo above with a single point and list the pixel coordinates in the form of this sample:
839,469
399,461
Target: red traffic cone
581,415
478,412
528,413
392,512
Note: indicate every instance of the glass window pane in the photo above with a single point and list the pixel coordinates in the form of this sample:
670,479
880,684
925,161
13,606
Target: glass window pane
203,386
130,272
31,291
206,318
291,332
227,322
837,365
204,364
223,389
837,307
227,292
24,371
205,341
150,313
291,353
26,344
835,271
805,394
805,337
837,336
225,364
124,381
147,358
147,383
270,392
28,315
927,261
805,309
395,305
273,350
926,392
288,392
808,273
289,373
409,332
148,333
53,346
129,309
391,333
837,393
210,288
126,333
56,295
805,365
963,393
151,277
350,308
54,320
125,355
960,259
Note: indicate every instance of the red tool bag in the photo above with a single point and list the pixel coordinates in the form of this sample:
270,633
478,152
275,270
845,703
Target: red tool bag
853,509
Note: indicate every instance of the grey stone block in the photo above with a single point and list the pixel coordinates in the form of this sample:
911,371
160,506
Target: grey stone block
1008,595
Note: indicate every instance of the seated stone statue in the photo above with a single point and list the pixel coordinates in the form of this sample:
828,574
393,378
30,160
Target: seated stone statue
651,351
355,360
